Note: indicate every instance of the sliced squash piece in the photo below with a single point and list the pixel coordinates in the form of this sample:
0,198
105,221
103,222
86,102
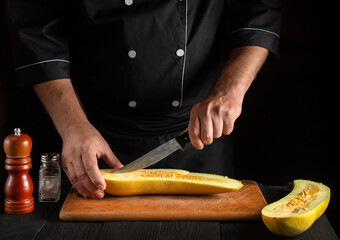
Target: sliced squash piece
296,212
166,181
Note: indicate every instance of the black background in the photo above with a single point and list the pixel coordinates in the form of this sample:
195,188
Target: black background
288,127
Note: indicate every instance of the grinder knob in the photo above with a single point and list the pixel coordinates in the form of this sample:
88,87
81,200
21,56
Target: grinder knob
17,144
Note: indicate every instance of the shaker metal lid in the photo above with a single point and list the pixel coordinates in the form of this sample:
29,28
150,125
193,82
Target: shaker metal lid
50,156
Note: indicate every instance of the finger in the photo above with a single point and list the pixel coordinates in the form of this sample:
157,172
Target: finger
206,129
217,127
89,175
93,173
228,126
194,132
70,173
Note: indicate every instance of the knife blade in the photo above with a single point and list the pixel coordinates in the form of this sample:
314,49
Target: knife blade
157,154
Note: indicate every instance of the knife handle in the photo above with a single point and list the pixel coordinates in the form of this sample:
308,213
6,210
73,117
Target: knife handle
183,139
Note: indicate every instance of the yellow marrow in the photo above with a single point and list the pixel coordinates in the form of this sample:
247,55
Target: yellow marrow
296,212
166,181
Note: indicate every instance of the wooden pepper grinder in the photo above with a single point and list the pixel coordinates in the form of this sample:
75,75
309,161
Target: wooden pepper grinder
18,186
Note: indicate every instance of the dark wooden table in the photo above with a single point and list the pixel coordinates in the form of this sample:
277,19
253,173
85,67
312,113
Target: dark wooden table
44,223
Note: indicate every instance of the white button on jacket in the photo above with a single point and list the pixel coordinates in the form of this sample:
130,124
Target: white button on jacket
128,2
132,53
175,103
132,104
180,52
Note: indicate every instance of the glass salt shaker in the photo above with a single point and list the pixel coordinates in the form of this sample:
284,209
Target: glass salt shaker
49,177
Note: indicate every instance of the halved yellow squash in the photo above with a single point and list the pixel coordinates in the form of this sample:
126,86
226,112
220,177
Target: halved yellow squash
166,181
296,212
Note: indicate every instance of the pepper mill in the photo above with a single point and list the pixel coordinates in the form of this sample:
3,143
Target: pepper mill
18,186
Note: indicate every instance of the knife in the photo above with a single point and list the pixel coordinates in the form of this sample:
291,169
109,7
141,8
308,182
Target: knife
157,154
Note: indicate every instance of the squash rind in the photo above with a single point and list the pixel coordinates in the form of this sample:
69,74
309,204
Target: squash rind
290,223
169,181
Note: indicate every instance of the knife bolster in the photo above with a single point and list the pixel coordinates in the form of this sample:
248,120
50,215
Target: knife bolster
183,139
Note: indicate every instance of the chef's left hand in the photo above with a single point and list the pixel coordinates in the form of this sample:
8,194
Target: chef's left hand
214,116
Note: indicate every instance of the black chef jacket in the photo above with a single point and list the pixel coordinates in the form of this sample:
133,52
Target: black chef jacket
138,66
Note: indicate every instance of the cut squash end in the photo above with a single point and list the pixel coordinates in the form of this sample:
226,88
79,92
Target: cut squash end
297,211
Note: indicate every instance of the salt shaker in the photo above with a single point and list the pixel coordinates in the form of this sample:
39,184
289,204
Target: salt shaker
49,177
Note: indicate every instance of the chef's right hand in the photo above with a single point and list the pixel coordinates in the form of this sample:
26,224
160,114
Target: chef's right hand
83,145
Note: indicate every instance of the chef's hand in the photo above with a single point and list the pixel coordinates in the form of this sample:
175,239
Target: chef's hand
83,145
214,116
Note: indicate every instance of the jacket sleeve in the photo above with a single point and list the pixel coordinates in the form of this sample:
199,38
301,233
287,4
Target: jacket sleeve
255,23
39,40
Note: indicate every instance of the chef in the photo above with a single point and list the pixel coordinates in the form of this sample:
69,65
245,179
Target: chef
121,77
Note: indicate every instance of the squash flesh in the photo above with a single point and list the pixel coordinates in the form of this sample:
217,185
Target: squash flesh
296,212
297,203
166,181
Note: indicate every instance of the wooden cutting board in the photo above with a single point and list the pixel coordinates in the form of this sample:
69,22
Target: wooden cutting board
244,204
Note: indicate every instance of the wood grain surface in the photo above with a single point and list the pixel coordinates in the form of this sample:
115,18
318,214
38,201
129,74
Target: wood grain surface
244,204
